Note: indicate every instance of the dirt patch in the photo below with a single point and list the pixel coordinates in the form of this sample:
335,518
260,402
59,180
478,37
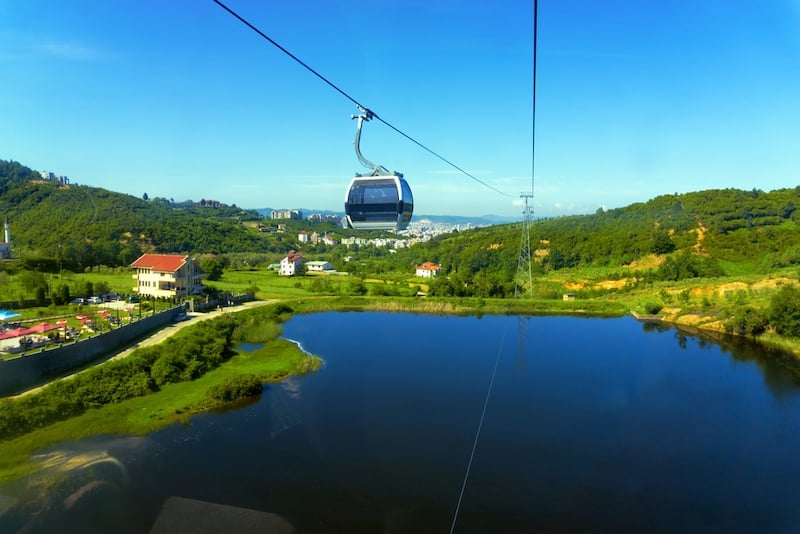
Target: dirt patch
603,284
612,284
651,261
733,287
690,319
772,283
701,232
574,286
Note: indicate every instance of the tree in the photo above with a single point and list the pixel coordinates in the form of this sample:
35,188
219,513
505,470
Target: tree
212,266
101,286
748,321
32,280
662,243
41,296
145,197
784,311
357,287
63,293
84,288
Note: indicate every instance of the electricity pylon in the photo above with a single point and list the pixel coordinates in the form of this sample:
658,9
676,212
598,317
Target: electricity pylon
524,278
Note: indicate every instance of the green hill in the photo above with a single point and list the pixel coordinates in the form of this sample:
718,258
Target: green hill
706,233
81,226
702,234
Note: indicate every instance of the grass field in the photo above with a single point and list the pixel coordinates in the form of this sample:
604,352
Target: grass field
268,283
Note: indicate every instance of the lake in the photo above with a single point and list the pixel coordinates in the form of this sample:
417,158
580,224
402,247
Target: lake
592,424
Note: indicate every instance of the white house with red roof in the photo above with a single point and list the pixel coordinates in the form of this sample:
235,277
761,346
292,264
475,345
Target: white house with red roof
167,276
428,270
291,264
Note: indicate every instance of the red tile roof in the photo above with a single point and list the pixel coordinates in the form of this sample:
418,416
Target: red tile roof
163,263
428,266
294,256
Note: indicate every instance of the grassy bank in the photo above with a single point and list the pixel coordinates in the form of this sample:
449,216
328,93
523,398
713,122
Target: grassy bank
172,402
707,308
459,306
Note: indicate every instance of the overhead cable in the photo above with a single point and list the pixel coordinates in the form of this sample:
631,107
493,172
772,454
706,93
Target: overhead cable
350,98
533,115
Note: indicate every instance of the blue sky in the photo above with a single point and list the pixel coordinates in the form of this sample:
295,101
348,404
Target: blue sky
180,100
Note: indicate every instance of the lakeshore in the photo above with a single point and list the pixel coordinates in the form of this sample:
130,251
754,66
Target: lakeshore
177,402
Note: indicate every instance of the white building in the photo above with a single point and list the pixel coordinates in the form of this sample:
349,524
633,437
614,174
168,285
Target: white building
319,266
428,270
167,276
5,246
286,214
291,264
302,236
347,241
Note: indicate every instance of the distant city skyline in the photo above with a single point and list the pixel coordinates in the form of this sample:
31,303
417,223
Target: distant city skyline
180,100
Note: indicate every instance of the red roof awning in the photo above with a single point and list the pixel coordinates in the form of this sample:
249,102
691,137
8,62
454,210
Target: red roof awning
41,328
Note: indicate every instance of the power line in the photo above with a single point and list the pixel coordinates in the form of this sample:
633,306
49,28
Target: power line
533,116
350,98
524,278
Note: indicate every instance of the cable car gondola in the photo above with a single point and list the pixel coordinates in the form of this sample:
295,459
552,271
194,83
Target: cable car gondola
381,200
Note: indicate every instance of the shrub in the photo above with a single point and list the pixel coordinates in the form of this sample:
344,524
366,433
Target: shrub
168,369
280,312
235,387
747,322
784,311
652,308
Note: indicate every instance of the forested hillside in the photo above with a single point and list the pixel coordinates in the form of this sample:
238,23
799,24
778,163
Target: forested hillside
693,235
80,226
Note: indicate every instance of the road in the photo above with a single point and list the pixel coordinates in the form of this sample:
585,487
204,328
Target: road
171,329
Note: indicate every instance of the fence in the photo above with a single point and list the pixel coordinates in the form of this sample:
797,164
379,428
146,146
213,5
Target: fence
224,302
29,370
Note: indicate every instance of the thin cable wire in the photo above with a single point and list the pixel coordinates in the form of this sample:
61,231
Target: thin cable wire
350,98
442,157
533,117
478,432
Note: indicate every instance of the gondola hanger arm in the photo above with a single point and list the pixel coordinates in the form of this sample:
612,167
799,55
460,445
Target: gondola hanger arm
363,116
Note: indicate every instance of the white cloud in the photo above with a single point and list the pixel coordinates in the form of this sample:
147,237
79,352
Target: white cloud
456,172
16,46
69,50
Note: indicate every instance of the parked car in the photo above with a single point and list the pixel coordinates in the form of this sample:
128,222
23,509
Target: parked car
133,299
78,300
94,300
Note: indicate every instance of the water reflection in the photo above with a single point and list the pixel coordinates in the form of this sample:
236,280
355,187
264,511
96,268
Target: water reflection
78,487
780,370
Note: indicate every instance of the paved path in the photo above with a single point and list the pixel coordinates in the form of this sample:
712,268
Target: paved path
170,329
161,334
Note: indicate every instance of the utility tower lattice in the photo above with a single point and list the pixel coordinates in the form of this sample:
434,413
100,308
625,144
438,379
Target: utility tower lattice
524,278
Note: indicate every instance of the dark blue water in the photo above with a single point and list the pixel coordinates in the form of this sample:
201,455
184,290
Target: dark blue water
593,424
